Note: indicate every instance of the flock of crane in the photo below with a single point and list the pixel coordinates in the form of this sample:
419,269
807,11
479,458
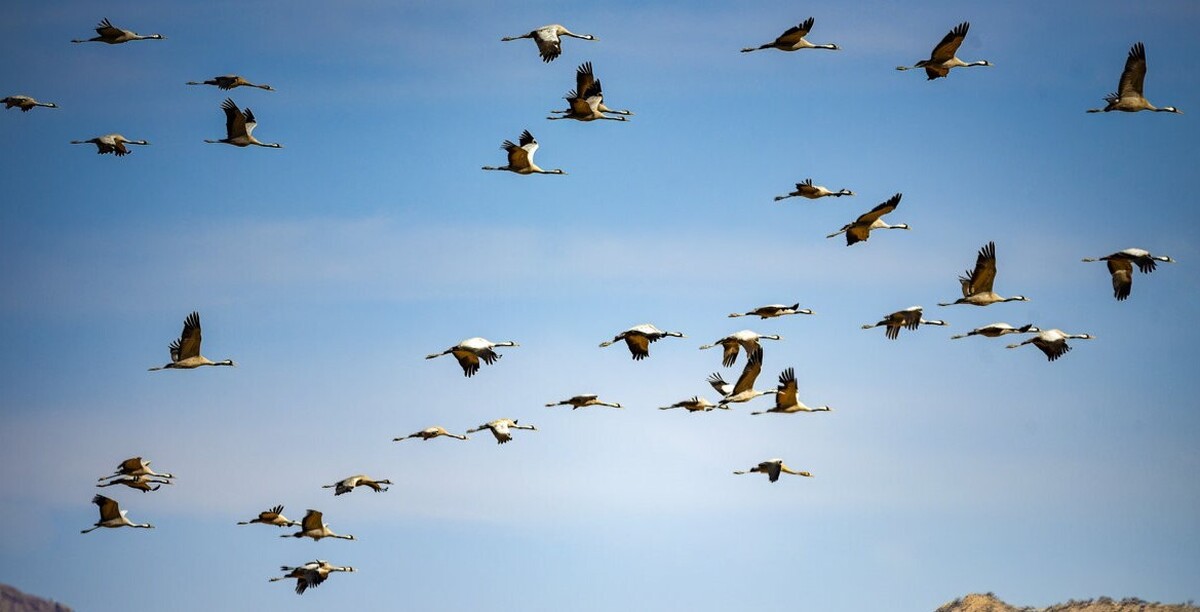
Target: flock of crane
586,103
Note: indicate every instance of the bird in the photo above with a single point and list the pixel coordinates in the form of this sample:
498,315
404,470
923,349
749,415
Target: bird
500,428
745,339
185,352
977,283
793,40
942,59
639,337
549,40
743,390
313,526
274,516
995,330
470,351
587,399
111,515
520,158
786,399
909,318
239,128
586,106
860,229
108,33
772,468
1128,96
230,81
584,80
1120,266
806,189
695,404
311,574
111,143
1053,342
349,483
141,482
773,310
430,433
134,466
25,103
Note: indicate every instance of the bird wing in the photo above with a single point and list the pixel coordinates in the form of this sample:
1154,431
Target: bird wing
717,383
107,30
1134,75
745,382
235,121
934,71
518,157
639,345
271,514
119,149
772,469
313,520
594,96
874,214
857,232
949,45
795,33
584,77
1122,277
108,507
787,395
731,351
579,104
981,278
1054,349
131,464
469,362
911,319
548,44
189,339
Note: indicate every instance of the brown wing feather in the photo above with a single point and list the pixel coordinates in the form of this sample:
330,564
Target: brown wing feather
1122,277
639,346
874,214
1134,75
981,278
787,393
730,353
235,121
312,520
189,339
745,382
584,77
949,45
107,30
795,33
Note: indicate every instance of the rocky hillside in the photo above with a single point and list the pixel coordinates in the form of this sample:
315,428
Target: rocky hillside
12,600
990,603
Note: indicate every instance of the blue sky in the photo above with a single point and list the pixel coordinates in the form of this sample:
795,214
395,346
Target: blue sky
329,268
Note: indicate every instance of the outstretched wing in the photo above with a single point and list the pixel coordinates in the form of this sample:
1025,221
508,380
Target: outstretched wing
312,520
189,339
107,30
584,77
795,33
745,382
981,278
874,214
639,345
1122,277
1134,75
548,44
235,121
949,45
786,395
